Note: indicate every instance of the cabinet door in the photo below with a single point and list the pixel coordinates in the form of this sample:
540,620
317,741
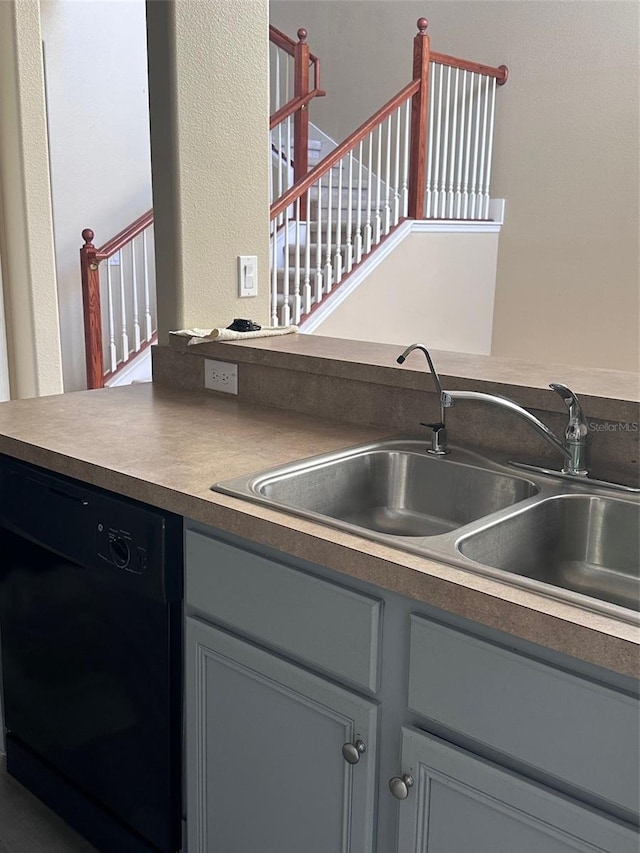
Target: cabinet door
265,770
459,802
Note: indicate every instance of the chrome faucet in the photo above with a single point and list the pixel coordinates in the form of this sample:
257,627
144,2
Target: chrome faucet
438,430
573,447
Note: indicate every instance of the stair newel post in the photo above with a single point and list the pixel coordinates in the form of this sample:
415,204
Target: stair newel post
301,118
90,277
419,104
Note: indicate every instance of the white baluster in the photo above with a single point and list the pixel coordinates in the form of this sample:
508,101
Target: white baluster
134,286
396,177
297,302
483,150
429,189
338,253
274,273
285,312
349,244
445,149
289,212
368,231
485,214
148,323
467,154
405,165
387,180
319,279
271,147
476,144
278,101
306,290
463,100
436,169
113,354
454,141
378,223
280,168
328,267
358,242
124,336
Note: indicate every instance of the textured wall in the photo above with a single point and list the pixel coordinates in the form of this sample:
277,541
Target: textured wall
566,149
208,82
26,229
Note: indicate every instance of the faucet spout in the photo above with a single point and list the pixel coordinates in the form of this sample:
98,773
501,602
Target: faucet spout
511,406
434,373
439,431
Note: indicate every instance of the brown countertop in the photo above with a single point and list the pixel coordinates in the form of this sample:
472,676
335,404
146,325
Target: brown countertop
166,447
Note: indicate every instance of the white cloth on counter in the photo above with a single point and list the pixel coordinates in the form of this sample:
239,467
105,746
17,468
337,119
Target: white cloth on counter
203,336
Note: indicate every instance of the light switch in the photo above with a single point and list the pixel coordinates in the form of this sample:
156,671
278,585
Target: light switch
247,275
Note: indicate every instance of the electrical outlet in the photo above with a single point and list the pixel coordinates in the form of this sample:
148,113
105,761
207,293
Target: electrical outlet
221,376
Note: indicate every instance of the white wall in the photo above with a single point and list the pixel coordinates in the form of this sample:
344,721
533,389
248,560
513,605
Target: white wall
435,287
98,115
566,157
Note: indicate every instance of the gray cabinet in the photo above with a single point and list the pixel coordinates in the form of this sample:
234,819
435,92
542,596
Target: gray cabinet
265,767
459,802
267,719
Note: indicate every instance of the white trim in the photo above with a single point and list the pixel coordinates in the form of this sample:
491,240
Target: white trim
452,225
409,226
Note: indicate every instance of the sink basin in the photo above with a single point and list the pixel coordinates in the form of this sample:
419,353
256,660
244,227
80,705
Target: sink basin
393,490
569,539
586,544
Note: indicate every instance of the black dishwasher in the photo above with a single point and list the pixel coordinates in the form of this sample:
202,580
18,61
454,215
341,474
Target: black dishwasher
91,640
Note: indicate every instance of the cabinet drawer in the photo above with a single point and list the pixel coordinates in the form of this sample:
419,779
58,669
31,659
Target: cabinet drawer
561,724
316,621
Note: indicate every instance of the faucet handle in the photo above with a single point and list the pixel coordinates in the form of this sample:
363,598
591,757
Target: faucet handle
438,439
570,400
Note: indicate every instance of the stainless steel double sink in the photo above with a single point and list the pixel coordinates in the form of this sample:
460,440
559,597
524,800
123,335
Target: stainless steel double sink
567,538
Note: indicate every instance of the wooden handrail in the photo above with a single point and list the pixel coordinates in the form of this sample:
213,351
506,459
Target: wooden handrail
501,73
293,106
281,204
125,236
90,259
283,41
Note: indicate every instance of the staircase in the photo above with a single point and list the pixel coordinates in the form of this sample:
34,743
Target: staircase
315,264
425,154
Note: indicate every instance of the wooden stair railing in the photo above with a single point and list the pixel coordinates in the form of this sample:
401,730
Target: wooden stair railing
290,73
128,333
422,148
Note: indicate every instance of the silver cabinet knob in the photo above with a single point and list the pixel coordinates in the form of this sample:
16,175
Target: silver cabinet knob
351,752
399,786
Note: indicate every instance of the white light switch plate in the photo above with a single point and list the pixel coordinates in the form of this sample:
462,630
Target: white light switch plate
247,275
